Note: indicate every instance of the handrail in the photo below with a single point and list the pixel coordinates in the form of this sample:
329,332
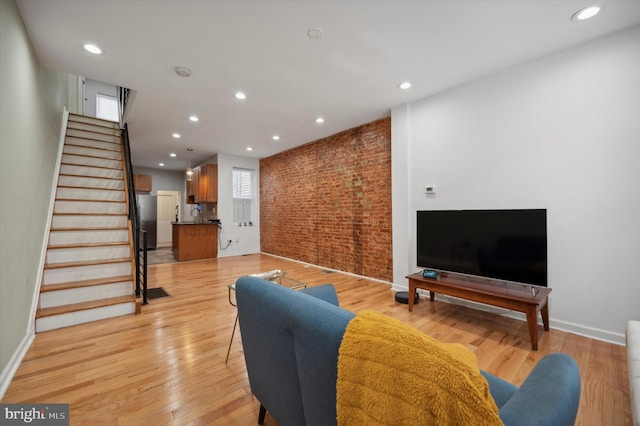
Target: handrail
141,280
141,267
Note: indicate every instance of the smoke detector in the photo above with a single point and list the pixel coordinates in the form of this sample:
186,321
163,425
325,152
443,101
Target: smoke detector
182,71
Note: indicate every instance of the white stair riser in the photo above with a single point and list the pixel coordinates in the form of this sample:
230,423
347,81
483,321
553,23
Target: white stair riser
80,170
90,182
92,120
80,273
49,299
81,221
80,317
89,143
81,254
79,237
89,207
90,194
90,161
91,152
93,128
92,135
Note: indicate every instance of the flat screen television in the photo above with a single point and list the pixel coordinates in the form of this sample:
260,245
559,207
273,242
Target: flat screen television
508,245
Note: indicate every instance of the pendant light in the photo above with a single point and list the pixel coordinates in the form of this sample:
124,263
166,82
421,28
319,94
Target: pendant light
189,171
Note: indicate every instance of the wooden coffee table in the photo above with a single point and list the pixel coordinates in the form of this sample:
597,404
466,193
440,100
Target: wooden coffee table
518,297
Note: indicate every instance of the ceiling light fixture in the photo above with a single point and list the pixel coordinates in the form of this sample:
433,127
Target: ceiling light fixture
173,154
249,148
241,96
586,13
319,120
189,171
92,48
176,135
182,71
404,85
194,118
161,164
275,137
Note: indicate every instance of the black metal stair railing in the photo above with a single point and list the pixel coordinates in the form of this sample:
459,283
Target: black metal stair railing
139,236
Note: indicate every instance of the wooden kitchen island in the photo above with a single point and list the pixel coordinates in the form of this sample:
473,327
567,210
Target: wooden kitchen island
193,241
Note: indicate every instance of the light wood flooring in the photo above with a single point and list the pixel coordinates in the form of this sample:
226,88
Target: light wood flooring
166,366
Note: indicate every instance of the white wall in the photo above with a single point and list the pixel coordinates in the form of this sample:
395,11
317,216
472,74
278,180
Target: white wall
245,239
561,133
91,90
32,102
168,180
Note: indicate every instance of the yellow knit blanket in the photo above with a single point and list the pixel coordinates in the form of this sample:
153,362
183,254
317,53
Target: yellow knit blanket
392,374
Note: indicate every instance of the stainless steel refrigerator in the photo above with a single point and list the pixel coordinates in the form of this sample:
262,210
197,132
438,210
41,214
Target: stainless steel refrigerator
147,213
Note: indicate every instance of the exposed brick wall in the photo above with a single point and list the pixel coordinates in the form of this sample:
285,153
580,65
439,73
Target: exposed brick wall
329,202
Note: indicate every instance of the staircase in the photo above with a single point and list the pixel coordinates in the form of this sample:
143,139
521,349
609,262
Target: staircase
89,265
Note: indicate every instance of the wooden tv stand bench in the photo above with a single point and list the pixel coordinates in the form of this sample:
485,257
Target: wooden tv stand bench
518,297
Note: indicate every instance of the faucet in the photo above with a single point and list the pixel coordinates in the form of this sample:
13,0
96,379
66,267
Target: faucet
199,217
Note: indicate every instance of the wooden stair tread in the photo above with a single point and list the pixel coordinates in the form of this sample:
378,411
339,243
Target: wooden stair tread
93,128
90,165
86,245
86,263
94,228
91,156
75,307
95,188
88,214
116,146
79,118
90,201
89,176
85,283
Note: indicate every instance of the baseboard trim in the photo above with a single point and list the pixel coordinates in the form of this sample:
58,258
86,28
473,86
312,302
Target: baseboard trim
12,366
332,270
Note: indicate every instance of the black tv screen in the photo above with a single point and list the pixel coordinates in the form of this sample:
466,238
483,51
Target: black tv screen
508,245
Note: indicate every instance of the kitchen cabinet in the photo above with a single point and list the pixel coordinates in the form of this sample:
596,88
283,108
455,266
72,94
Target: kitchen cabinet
142,183
205,182
204,186
190,193
193,241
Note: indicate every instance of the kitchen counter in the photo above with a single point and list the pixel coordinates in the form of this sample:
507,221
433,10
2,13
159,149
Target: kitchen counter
193,223
193,241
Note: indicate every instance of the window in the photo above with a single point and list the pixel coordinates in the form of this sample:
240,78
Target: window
243,196
107,107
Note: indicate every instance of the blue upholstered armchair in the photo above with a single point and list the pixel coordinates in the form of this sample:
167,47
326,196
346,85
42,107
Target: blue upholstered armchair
291,341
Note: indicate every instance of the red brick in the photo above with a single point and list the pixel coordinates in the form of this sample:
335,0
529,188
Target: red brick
329,202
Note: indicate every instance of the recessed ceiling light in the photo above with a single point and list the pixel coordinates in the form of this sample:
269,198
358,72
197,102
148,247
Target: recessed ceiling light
404,85
586,13
92,48
249,148
240,95
173,154
176,135
319,120
194,118
275,137
161,164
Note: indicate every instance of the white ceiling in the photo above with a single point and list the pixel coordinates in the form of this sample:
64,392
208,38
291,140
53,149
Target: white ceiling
349,76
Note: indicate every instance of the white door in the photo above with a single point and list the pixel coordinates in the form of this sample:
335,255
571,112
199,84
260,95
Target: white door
168,201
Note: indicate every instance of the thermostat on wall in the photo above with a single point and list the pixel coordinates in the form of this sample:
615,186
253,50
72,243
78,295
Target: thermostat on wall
430,189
